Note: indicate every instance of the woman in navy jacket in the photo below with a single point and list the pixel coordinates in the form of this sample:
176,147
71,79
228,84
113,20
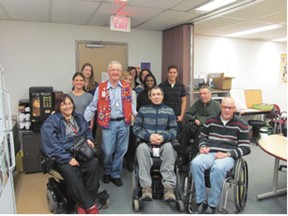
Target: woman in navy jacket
58,133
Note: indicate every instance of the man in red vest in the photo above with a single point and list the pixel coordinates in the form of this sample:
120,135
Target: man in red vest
113,102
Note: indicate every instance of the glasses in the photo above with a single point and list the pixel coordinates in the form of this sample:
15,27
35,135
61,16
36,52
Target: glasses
228,107
66,105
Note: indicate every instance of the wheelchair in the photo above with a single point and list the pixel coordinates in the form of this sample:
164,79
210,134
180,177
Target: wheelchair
236,178
157,187
58,197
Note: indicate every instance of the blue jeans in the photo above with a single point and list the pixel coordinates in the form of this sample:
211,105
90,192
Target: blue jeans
114,145
219,169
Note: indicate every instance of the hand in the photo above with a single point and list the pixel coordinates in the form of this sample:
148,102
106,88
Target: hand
156,139
204,150
90,143
197,122
220,155
179,118
73,162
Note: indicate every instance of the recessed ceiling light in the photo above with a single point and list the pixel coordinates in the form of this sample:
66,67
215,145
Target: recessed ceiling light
251,31
214,5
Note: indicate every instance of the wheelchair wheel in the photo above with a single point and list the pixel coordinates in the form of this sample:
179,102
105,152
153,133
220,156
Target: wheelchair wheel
136,205
241,185
179,205
51,201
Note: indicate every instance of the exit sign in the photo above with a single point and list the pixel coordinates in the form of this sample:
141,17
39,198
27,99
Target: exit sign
120,23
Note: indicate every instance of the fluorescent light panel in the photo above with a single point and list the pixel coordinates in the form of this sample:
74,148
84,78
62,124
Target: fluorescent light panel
251,31
280,40
214,5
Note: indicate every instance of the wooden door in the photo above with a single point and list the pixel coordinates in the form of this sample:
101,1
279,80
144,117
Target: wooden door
100,54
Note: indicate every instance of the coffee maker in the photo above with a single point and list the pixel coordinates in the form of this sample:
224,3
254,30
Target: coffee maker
41,104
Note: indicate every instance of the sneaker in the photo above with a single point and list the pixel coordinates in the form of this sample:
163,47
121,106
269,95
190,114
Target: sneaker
147,193
92,210
106,179
117,181
80,210
169,195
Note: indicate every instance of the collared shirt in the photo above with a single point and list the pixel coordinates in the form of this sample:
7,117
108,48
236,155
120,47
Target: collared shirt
115,103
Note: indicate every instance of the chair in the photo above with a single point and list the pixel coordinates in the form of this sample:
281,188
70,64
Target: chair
275,119
237,178
157,187
58,196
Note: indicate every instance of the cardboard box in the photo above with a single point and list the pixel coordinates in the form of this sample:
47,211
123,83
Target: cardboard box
221,81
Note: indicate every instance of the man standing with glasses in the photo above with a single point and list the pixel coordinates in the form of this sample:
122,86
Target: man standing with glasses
223,139
113,101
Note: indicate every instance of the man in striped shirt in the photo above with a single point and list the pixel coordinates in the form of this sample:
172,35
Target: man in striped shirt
156,126
223,139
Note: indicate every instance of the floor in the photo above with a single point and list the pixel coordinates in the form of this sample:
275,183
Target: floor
30,192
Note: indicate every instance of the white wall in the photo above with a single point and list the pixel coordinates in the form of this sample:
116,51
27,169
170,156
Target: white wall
43,54
254,64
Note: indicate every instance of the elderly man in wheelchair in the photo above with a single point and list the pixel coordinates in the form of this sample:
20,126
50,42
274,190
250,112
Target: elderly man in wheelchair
156,126
223,140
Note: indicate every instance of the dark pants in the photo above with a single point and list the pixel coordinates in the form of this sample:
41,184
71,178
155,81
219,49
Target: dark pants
130,154
189,131
82,181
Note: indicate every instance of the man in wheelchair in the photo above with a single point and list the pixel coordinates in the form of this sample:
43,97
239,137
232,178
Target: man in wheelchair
195,117
58,134
223,139
156,126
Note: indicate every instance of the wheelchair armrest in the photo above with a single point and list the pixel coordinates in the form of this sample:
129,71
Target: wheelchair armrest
47,163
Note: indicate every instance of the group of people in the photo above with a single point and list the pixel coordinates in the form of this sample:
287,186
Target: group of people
156,115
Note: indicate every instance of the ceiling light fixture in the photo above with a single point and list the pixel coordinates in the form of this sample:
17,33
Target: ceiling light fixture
251,31
214,5
280,40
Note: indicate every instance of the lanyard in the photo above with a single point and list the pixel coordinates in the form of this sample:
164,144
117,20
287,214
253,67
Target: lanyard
72,127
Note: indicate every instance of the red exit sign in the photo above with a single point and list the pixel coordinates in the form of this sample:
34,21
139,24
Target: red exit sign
120,23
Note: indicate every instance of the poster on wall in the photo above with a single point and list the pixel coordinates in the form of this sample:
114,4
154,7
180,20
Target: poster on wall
283,68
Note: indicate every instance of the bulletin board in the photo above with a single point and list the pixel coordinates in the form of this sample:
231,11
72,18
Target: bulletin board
253,96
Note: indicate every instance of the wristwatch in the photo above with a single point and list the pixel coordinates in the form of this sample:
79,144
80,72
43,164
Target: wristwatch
228,154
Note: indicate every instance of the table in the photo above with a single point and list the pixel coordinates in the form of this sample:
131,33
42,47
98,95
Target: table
276,146
242,112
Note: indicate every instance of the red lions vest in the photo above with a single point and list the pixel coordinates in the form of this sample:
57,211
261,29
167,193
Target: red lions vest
104,106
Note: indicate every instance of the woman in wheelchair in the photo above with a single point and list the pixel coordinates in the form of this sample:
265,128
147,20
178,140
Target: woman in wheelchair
156,126
224,138
58,134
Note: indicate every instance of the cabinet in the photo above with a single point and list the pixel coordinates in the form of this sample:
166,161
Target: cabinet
31,145
217,94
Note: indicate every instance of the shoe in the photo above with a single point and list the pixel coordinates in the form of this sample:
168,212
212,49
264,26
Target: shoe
106,179
80,210
169,195
92,210
210,210
147,193
201,207
117,181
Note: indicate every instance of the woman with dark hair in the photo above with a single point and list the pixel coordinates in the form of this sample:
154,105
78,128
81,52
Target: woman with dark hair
90,83
133,71
90,86
143,98
58,133
79,96
143,74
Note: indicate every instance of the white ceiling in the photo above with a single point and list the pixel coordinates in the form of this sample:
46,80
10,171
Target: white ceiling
155,14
